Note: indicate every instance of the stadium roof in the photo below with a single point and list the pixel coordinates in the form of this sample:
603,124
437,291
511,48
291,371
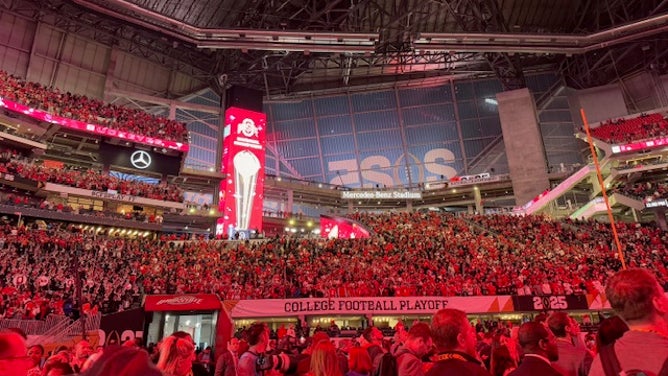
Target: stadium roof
288,46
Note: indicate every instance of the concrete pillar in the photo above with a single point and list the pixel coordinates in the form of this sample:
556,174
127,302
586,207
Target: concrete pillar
524,144
661,219
216,196
478,200
291,197
172,112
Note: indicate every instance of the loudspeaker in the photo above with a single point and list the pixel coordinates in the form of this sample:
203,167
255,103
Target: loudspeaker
243,97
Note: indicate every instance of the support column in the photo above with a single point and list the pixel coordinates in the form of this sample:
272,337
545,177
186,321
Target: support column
524,144
661,219
111,69
291,197
172,111
478,200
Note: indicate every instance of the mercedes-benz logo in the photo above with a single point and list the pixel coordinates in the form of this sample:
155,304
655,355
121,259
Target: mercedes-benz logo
140,159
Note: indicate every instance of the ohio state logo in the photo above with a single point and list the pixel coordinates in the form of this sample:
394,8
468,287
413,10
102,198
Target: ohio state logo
180,300
247,128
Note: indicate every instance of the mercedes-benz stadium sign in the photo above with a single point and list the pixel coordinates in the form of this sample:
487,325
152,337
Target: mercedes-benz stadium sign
381,195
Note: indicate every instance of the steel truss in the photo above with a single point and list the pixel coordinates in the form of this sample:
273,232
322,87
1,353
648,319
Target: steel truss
397,22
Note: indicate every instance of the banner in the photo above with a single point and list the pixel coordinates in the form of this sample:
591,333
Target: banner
117,328
194,302
460,181
242,190
91,128
550,303
139,159
640,145
600,302
113,196
359,306
48,163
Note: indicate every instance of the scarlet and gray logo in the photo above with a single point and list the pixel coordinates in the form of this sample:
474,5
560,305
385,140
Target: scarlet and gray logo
140,159
181,300
248,128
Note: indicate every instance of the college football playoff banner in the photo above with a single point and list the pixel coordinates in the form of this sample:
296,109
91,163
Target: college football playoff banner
378,305
550,303
139,159
242,190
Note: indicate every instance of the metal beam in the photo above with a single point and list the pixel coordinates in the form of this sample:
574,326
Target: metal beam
164,102
595,69
507,68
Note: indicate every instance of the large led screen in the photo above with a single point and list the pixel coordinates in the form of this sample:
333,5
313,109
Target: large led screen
241,192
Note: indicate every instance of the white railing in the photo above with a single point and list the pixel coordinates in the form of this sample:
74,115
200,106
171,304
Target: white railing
545,198
67,329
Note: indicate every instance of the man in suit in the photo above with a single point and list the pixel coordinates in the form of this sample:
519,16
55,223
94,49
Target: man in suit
227,362
540,349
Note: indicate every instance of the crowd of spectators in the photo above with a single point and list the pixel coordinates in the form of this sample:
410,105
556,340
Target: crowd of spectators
635,129
411,254
24,200
497,348
645,163
13,163
89,110
645,191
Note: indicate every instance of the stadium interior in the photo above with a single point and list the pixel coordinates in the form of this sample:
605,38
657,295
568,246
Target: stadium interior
448,132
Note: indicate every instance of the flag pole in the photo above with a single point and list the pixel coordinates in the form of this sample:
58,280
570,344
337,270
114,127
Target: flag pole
605,194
